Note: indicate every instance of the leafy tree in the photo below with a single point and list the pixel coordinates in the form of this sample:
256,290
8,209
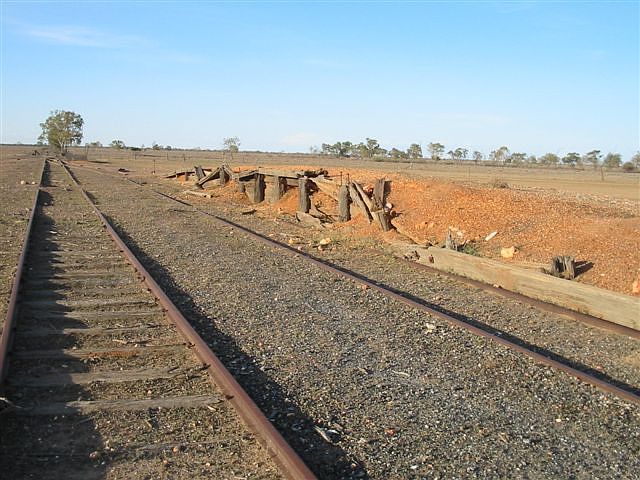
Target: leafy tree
477,156
231,144
629,167
532,159
593,157
612,160
500,155
435,150
61,130
452,154
549,159
119,144
518,158
635,160
342,149
94,144
397,154
155,146
571,159
370,149
461,153
327,149
414,151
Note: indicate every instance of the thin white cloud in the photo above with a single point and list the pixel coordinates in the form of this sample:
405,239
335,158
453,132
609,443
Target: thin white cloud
79,36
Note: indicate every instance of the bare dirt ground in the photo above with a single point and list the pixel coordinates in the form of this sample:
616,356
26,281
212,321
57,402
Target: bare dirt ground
593,216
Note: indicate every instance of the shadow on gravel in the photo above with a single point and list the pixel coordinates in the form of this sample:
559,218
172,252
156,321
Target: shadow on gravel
458,316
326,460
46,445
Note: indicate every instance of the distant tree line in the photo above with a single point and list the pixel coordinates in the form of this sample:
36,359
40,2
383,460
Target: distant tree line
371,149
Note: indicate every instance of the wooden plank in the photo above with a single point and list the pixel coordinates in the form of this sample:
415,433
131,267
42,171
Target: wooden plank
94,331
207,178
257,190
380,190
328,187
95,352
276,189
304,199
56,304
355,196
343,204
193,193
117,376
611,306
365,198
199,172
87,407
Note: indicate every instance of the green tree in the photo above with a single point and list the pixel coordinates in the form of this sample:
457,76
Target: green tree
571,159
612,160
477,156
460,153
635,160
414,151
342,149
397,154
119,144
61,130
435,150
231,144
593,158
549,159
370,149
532,159
500,155
518,158
95,144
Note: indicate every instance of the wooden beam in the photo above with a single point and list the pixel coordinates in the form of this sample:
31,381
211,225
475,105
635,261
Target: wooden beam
343,204
328,187
611,306
199,172
276,189
116,376
355,196
86,407
365,198
304,200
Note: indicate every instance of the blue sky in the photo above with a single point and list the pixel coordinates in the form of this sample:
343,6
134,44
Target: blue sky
534,76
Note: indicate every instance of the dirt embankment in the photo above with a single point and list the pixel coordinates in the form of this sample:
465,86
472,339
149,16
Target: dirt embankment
602,234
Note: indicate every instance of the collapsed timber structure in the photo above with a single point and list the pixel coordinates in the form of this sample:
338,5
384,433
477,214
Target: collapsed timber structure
270,185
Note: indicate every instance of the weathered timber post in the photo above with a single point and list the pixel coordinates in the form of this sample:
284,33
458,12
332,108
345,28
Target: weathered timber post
304,200
343,203
355,197
380,213
199,171
278,188
224,176
258,188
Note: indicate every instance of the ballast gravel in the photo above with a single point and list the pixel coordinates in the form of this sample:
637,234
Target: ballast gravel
361,385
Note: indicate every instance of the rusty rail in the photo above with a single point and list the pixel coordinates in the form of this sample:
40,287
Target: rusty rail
285,457
535,356
12,308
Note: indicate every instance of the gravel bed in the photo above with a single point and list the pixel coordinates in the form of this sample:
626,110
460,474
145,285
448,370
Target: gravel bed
612,356
16,201
137,445
112,443
361,385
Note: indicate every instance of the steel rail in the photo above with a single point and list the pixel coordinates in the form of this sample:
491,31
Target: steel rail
585,377
12,308
540,304
290,464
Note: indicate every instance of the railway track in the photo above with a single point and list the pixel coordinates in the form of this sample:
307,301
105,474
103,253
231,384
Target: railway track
626,392
103,377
